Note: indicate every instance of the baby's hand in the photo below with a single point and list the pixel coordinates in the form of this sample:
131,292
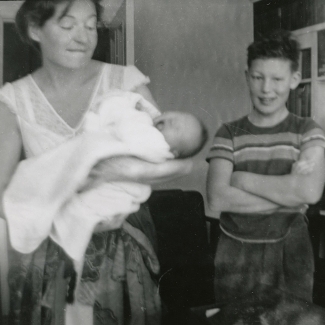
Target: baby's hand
303,167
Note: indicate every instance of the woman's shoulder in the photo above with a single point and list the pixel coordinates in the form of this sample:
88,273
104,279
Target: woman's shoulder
10,90
122,77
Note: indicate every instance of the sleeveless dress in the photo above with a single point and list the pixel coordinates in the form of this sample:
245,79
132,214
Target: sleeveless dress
120,269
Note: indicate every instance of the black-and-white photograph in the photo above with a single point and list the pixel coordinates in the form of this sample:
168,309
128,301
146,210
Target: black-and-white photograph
162,162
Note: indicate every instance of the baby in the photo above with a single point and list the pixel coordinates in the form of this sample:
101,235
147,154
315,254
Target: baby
145,133
129,117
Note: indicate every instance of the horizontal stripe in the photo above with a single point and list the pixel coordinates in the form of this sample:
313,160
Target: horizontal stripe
314,143
318,137
266,167
276,152
267,140
221,140
220,154
221,147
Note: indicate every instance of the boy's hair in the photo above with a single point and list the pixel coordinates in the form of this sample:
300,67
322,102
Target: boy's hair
278,44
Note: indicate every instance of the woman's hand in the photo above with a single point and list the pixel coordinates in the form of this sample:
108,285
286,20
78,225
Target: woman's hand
136,170
114,224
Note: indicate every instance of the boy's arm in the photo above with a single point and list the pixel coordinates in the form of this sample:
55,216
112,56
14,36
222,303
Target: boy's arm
287,190
222,196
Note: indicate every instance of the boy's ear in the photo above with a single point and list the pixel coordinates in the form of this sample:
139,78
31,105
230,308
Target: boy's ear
33,32
295,80
246,75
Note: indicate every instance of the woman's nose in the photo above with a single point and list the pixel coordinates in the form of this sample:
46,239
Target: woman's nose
81,35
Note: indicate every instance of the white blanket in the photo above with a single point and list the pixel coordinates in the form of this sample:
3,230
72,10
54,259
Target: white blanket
43,196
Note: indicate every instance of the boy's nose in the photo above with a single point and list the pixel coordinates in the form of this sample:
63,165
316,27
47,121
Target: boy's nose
266,85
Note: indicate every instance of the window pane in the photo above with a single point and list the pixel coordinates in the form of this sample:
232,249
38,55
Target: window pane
19,59
299,101
321,52
306,63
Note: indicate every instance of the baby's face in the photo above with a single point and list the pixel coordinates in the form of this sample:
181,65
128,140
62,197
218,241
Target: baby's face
182,131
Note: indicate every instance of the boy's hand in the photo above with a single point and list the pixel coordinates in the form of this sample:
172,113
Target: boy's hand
303,167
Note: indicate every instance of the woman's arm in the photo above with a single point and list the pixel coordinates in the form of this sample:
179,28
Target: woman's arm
222,196
137,170
146,94
288,190
10,148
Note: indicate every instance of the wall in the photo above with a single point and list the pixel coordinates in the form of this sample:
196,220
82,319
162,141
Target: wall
194,52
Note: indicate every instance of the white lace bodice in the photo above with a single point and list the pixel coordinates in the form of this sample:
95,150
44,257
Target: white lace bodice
41,126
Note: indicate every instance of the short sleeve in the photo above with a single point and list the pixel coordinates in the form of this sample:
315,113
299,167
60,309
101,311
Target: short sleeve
222,146
312,135
7,96
133,78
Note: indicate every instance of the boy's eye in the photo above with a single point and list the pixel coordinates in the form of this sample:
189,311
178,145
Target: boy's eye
256,77
278,79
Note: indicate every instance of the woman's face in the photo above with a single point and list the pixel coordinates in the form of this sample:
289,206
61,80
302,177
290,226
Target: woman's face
68,40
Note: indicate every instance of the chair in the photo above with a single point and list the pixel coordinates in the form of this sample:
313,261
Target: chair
316,218
184,252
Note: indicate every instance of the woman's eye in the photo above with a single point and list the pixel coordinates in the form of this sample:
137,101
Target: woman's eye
91,27
67,27
66,23
92,24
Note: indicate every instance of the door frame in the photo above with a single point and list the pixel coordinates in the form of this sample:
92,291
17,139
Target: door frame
307,38
8,11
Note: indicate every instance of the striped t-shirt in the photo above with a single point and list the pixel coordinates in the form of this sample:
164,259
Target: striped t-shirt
266,151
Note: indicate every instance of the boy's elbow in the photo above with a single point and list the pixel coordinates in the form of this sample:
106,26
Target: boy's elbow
312,197
312,194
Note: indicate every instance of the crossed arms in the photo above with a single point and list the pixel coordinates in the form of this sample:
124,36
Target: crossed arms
245,192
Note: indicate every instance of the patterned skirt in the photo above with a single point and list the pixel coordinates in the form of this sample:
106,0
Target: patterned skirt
119,280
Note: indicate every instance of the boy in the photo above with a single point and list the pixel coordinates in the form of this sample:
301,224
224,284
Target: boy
256,180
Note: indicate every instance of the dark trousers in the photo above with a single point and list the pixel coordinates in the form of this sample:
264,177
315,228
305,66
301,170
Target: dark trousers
287,265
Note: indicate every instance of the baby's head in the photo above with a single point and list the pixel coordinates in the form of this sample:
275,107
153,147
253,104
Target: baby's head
185,133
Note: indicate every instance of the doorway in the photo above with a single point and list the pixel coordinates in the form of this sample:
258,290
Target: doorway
18,59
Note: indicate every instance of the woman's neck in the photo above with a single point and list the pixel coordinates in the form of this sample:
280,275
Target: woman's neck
58,78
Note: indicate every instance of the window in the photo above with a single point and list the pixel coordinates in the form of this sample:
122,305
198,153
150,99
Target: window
309,97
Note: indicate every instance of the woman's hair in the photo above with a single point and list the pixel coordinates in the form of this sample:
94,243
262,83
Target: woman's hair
37,12
278,44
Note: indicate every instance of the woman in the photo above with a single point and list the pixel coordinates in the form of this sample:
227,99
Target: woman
55,99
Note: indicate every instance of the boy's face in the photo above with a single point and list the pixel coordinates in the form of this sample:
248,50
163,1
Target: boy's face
269,82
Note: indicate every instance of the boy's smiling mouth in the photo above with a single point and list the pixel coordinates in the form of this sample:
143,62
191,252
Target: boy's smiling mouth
267,101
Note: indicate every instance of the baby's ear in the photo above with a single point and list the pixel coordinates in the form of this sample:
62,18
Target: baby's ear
138,106
175,152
